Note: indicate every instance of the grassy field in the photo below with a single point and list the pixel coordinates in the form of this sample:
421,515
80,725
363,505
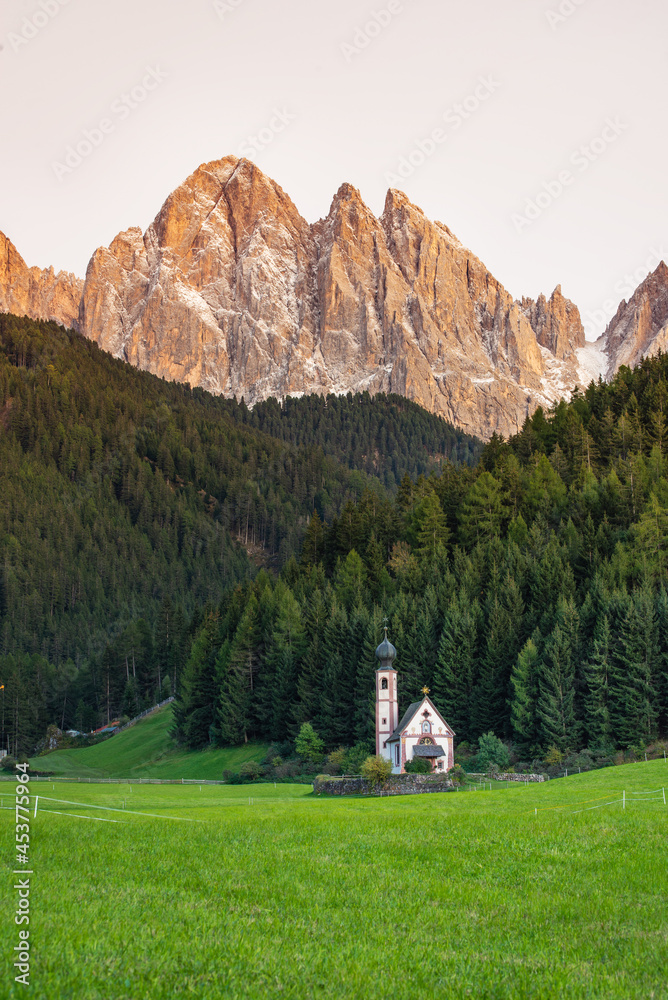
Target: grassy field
146,750
262,892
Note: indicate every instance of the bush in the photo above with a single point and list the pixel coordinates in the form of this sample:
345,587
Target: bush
457,775
553,757
417,765
493,754
8,763
308,744
355,757
249,771
336,762
376,769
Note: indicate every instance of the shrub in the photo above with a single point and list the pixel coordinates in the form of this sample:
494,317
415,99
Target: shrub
336,761
417,765
249,770
308,744
355,757
8,763
493,754
553,757
376,769
457,775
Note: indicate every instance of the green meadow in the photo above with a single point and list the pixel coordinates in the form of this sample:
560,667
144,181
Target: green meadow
146,750
262,892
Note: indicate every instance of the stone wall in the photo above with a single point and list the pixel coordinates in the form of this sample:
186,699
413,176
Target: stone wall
510,776
396,784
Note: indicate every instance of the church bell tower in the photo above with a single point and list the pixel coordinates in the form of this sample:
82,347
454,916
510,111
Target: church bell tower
387,705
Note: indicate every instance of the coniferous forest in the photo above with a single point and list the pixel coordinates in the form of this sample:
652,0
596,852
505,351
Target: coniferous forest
128,504
155,539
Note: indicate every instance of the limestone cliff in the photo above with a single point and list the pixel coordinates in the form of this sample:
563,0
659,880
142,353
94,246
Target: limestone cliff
231,289
28,291
640,326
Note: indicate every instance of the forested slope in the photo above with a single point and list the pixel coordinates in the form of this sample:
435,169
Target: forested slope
127,503
528,593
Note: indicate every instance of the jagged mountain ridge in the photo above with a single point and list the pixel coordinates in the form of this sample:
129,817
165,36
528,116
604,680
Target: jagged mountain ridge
639,328
231,289
29,291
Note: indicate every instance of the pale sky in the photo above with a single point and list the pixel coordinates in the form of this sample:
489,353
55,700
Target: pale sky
474,109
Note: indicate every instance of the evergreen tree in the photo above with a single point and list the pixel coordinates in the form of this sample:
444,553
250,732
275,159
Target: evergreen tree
455,675
523,686
596,673
558,725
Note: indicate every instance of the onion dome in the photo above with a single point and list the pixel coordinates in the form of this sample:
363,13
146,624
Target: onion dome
386,653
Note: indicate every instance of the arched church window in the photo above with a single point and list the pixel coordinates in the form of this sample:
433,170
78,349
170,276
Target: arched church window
383,684
426,741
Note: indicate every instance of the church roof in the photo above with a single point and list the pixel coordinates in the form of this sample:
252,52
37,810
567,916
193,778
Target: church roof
410,712
408,715
428,750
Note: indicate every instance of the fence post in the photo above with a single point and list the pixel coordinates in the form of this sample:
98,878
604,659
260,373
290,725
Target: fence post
36,801
664,795
624,800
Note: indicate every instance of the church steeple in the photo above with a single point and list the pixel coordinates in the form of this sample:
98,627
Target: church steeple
386,653
387,701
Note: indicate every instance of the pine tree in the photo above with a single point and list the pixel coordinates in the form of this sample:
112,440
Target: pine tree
523,686
558,725
333,722
596,673
633,703
194,708
455,675
240,679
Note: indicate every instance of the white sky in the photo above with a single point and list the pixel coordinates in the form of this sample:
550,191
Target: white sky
354,113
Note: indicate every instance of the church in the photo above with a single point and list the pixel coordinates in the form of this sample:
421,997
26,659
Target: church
422,732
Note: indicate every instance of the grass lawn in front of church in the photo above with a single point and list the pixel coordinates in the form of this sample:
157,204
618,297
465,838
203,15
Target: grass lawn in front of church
261,892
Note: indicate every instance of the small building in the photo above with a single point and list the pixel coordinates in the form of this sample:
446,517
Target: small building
422,731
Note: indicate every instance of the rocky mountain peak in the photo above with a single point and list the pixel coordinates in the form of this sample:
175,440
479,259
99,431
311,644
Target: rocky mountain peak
39,294
640,326
231,289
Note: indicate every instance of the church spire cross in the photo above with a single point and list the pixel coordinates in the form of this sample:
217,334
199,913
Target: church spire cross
425,690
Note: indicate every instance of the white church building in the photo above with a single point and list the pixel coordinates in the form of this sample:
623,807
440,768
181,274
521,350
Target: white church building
422,732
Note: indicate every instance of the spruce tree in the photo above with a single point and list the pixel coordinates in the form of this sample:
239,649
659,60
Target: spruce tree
456,669
523,685
596,673
558,725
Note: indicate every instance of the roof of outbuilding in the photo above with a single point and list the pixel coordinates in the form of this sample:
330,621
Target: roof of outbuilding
428,750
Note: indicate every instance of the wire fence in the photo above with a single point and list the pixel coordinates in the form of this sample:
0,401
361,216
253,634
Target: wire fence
143,715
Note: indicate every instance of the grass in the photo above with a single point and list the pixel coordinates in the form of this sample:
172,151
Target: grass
146,750
301,897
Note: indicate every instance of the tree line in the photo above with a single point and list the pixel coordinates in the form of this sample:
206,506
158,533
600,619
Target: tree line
528,592
123,496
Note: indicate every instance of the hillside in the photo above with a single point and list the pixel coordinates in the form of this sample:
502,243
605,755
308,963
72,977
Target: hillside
128,504
528,593
146,750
